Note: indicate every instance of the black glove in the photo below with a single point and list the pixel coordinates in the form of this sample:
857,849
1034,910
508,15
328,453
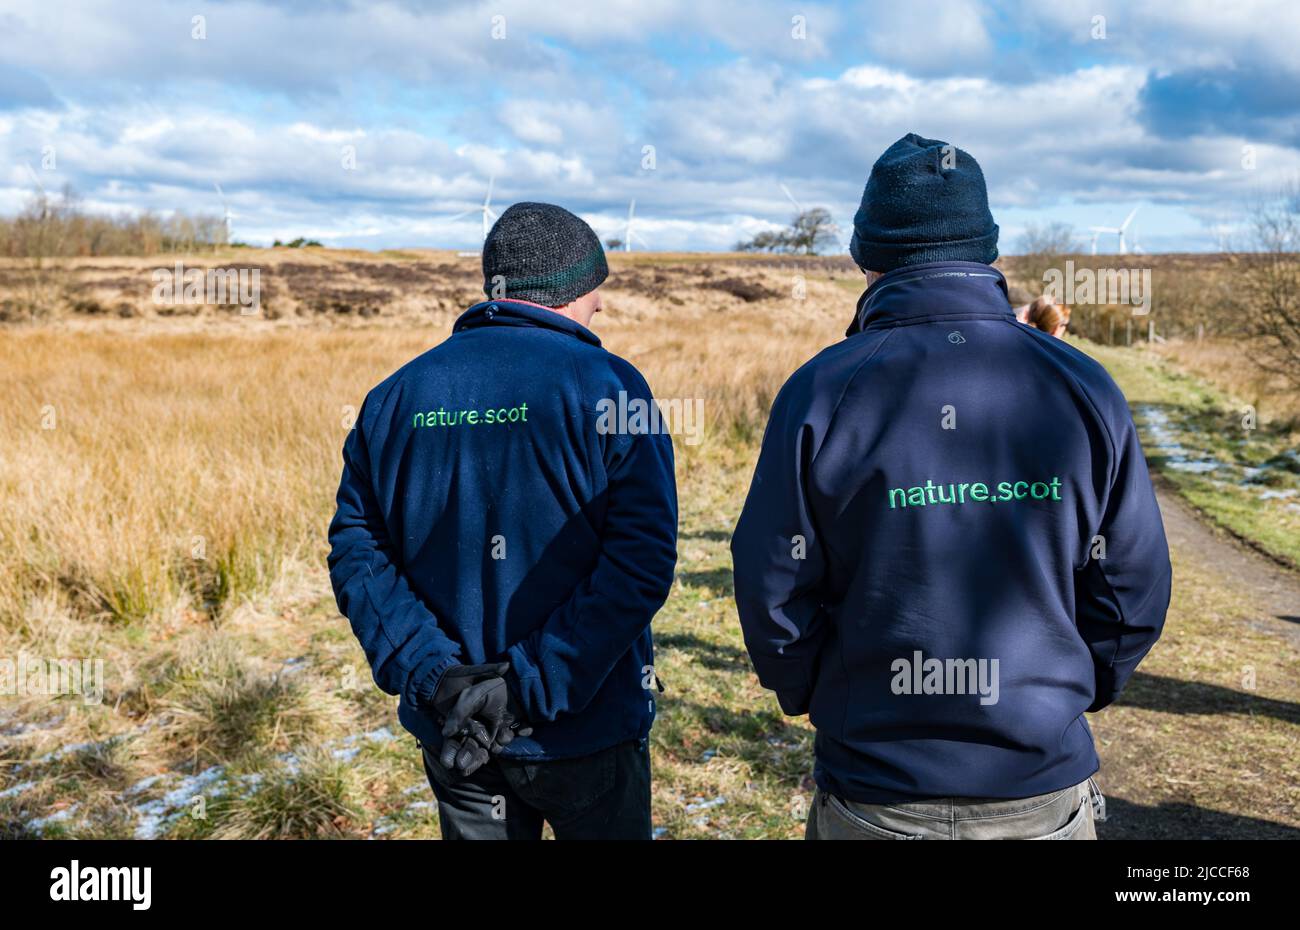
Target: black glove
487,712
462,751
457,679
478,714
463,754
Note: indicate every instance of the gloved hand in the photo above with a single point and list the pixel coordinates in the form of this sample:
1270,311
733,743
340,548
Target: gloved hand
486,711
478,713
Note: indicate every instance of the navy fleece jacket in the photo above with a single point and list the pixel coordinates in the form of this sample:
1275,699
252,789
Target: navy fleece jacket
951,549
485,514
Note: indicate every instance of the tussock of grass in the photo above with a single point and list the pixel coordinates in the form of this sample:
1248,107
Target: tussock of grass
110,762
219,705
319,798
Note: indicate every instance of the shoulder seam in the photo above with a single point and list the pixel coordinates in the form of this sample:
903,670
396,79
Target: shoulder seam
1105,426
830,423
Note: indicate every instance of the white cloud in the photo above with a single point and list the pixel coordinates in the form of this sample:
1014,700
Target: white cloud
933,37
559,109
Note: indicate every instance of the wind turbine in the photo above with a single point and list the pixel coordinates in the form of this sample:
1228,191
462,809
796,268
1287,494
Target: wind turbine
226,215
629,232
1117,230
790,197
486,210
833,228
45,198
35,180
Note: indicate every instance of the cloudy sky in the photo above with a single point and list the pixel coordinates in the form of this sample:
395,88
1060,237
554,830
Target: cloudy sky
372,124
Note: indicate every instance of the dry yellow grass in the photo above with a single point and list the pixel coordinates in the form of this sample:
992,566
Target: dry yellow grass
146,474
166,495
1230,364
166,486
150,473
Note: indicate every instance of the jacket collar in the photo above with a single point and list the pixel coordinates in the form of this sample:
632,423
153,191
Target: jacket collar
935,290
521,313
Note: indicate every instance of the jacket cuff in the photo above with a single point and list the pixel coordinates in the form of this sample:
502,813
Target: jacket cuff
789,678
794,703
522,666
427,686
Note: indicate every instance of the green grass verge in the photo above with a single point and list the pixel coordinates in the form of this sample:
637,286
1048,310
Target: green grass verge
1243,476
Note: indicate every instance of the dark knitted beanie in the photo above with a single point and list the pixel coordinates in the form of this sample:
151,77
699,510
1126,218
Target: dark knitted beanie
543,254
924,202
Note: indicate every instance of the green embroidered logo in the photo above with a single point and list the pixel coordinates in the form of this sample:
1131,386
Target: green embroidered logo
974,491
492,415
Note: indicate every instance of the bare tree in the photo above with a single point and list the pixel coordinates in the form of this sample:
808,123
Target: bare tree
1049,239
40,231
769,240
809,233
1043,248
813,230
1267,295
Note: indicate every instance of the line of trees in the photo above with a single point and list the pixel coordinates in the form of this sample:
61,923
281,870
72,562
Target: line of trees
48,227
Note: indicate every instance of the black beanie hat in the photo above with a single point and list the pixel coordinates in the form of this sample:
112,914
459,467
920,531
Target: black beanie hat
919,208
543,254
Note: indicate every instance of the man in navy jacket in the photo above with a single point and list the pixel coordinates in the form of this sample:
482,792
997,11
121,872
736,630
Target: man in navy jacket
500,549
951,550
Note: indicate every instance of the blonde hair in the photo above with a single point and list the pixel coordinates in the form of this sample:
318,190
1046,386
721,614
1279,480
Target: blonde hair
1048,316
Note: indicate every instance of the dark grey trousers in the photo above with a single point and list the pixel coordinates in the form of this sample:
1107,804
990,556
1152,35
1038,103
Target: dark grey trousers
1067,814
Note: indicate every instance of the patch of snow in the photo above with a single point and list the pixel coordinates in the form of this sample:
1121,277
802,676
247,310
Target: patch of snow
1277,494
14,790
143,784
153,816
39,824
700,804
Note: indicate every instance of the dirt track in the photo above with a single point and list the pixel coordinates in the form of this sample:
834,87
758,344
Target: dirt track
1273,591
1186,755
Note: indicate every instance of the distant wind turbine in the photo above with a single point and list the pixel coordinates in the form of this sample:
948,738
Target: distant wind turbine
1117,230
486,210
35,180
226,215
790,197
44,197
629,232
